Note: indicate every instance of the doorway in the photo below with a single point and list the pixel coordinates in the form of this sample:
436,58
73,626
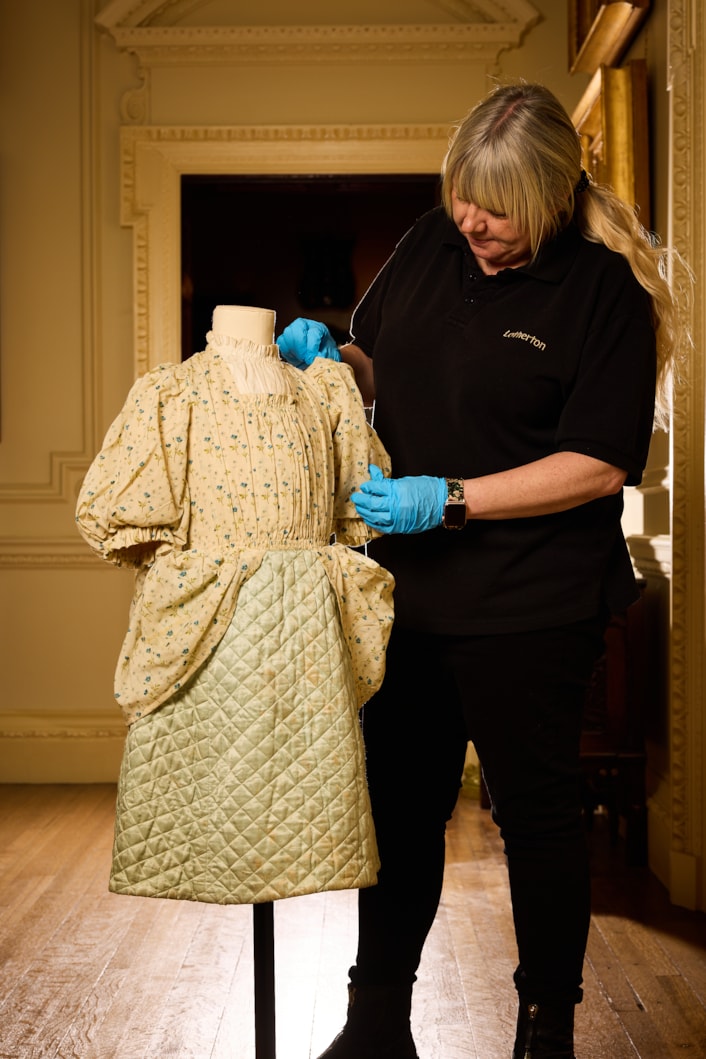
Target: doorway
301,245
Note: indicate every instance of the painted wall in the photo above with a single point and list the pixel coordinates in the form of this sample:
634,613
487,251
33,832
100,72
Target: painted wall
66,325
67,297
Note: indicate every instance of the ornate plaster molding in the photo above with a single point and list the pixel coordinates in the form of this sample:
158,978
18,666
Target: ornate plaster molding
655,480
687,76
58,481
177,46
64,733
153,159
63,553
153,12
479,31
61,754
66,469
652,555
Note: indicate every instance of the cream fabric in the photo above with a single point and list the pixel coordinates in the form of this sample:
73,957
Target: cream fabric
253,639
252,371
196,480
250,785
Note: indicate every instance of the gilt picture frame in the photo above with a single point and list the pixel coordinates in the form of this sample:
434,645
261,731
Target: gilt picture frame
612,121
600,31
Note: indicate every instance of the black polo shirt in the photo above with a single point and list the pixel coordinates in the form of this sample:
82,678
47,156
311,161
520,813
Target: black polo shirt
476,374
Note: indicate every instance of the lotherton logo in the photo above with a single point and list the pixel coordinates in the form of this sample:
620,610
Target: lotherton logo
524,337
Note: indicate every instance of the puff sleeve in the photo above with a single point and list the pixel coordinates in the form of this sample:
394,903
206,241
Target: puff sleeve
135,497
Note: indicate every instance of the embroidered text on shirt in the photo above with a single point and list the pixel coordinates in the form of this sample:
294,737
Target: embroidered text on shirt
526,338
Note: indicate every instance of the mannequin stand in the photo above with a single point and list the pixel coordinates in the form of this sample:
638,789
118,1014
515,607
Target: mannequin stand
264,953
256,325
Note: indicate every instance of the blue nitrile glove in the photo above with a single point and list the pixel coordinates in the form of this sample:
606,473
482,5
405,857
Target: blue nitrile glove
303,340
401,505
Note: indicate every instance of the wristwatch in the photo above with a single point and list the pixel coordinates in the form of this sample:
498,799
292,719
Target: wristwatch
455,507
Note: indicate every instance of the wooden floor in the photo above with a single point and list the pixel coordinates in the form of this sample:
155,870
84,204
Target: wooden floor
85,974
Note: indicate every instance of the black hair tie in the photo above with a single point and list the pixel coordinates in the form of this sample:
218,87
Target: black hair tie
584,182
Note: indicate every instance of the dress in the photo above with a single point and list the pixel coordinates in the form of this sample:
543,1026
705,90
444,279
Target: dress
253,638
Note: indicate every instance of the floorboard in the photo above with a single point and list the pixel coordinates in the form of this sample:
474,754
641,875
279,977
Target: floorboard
85,974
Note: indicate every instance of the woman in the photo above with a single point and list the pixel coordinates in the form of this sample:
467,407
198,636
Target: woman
517,335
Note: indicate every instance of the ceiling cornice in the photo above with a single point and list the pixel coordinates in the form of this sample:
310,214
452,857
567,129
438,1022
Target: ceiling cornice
498,25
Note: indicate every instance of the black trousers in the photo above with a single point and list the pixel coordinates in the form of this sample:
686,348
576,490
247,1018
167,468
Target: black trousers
519,699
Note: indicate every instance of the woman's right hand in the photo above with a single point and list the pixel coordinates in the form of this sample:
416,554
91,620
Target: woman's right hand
303,340
401,505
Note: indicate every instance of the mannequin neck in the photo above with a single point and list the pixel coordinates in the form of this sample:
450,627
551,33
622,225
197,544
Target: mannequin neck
245,322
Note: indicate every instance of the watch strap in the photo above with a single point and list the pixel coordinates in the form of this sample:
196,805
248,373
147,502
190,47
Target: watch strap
455,489
454,516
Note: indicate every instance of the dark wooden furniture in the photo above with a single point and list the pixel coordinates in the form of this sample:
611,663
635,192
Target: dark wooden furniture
612,744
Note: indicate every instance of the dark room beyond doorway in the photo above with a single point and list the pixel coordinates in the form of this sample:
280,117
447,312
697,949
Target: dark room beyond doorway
301,245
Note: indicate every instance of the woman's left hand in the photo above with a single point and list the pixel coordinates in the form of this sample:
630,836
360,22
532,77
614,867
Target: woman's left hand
401,505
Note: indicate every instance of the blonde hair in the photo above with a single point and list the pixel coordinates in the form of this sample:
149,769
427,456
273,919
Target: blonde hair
517,153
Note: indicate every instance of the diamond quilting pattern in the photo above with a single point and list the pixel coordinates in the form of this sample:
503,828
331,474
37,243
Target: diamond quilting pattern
250,785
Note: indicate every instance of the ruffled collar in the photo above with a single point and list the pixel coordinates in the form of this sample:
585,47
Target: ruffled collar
244,347
254,368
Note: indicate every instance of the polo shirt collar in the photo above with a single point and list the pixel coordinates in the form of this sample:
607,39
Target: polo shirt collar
552,263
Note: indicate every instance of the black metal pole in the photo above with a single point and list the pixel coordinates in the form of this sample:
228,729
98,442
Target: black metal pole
264,952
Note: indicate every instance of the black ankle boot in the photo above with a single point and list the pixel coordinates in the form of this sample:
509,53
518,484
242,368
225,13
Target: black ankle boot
544,1032
377,1026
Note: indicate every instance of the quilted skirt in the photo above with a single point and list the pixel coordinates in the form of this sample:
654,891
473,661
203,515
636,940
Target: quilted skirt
249,785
